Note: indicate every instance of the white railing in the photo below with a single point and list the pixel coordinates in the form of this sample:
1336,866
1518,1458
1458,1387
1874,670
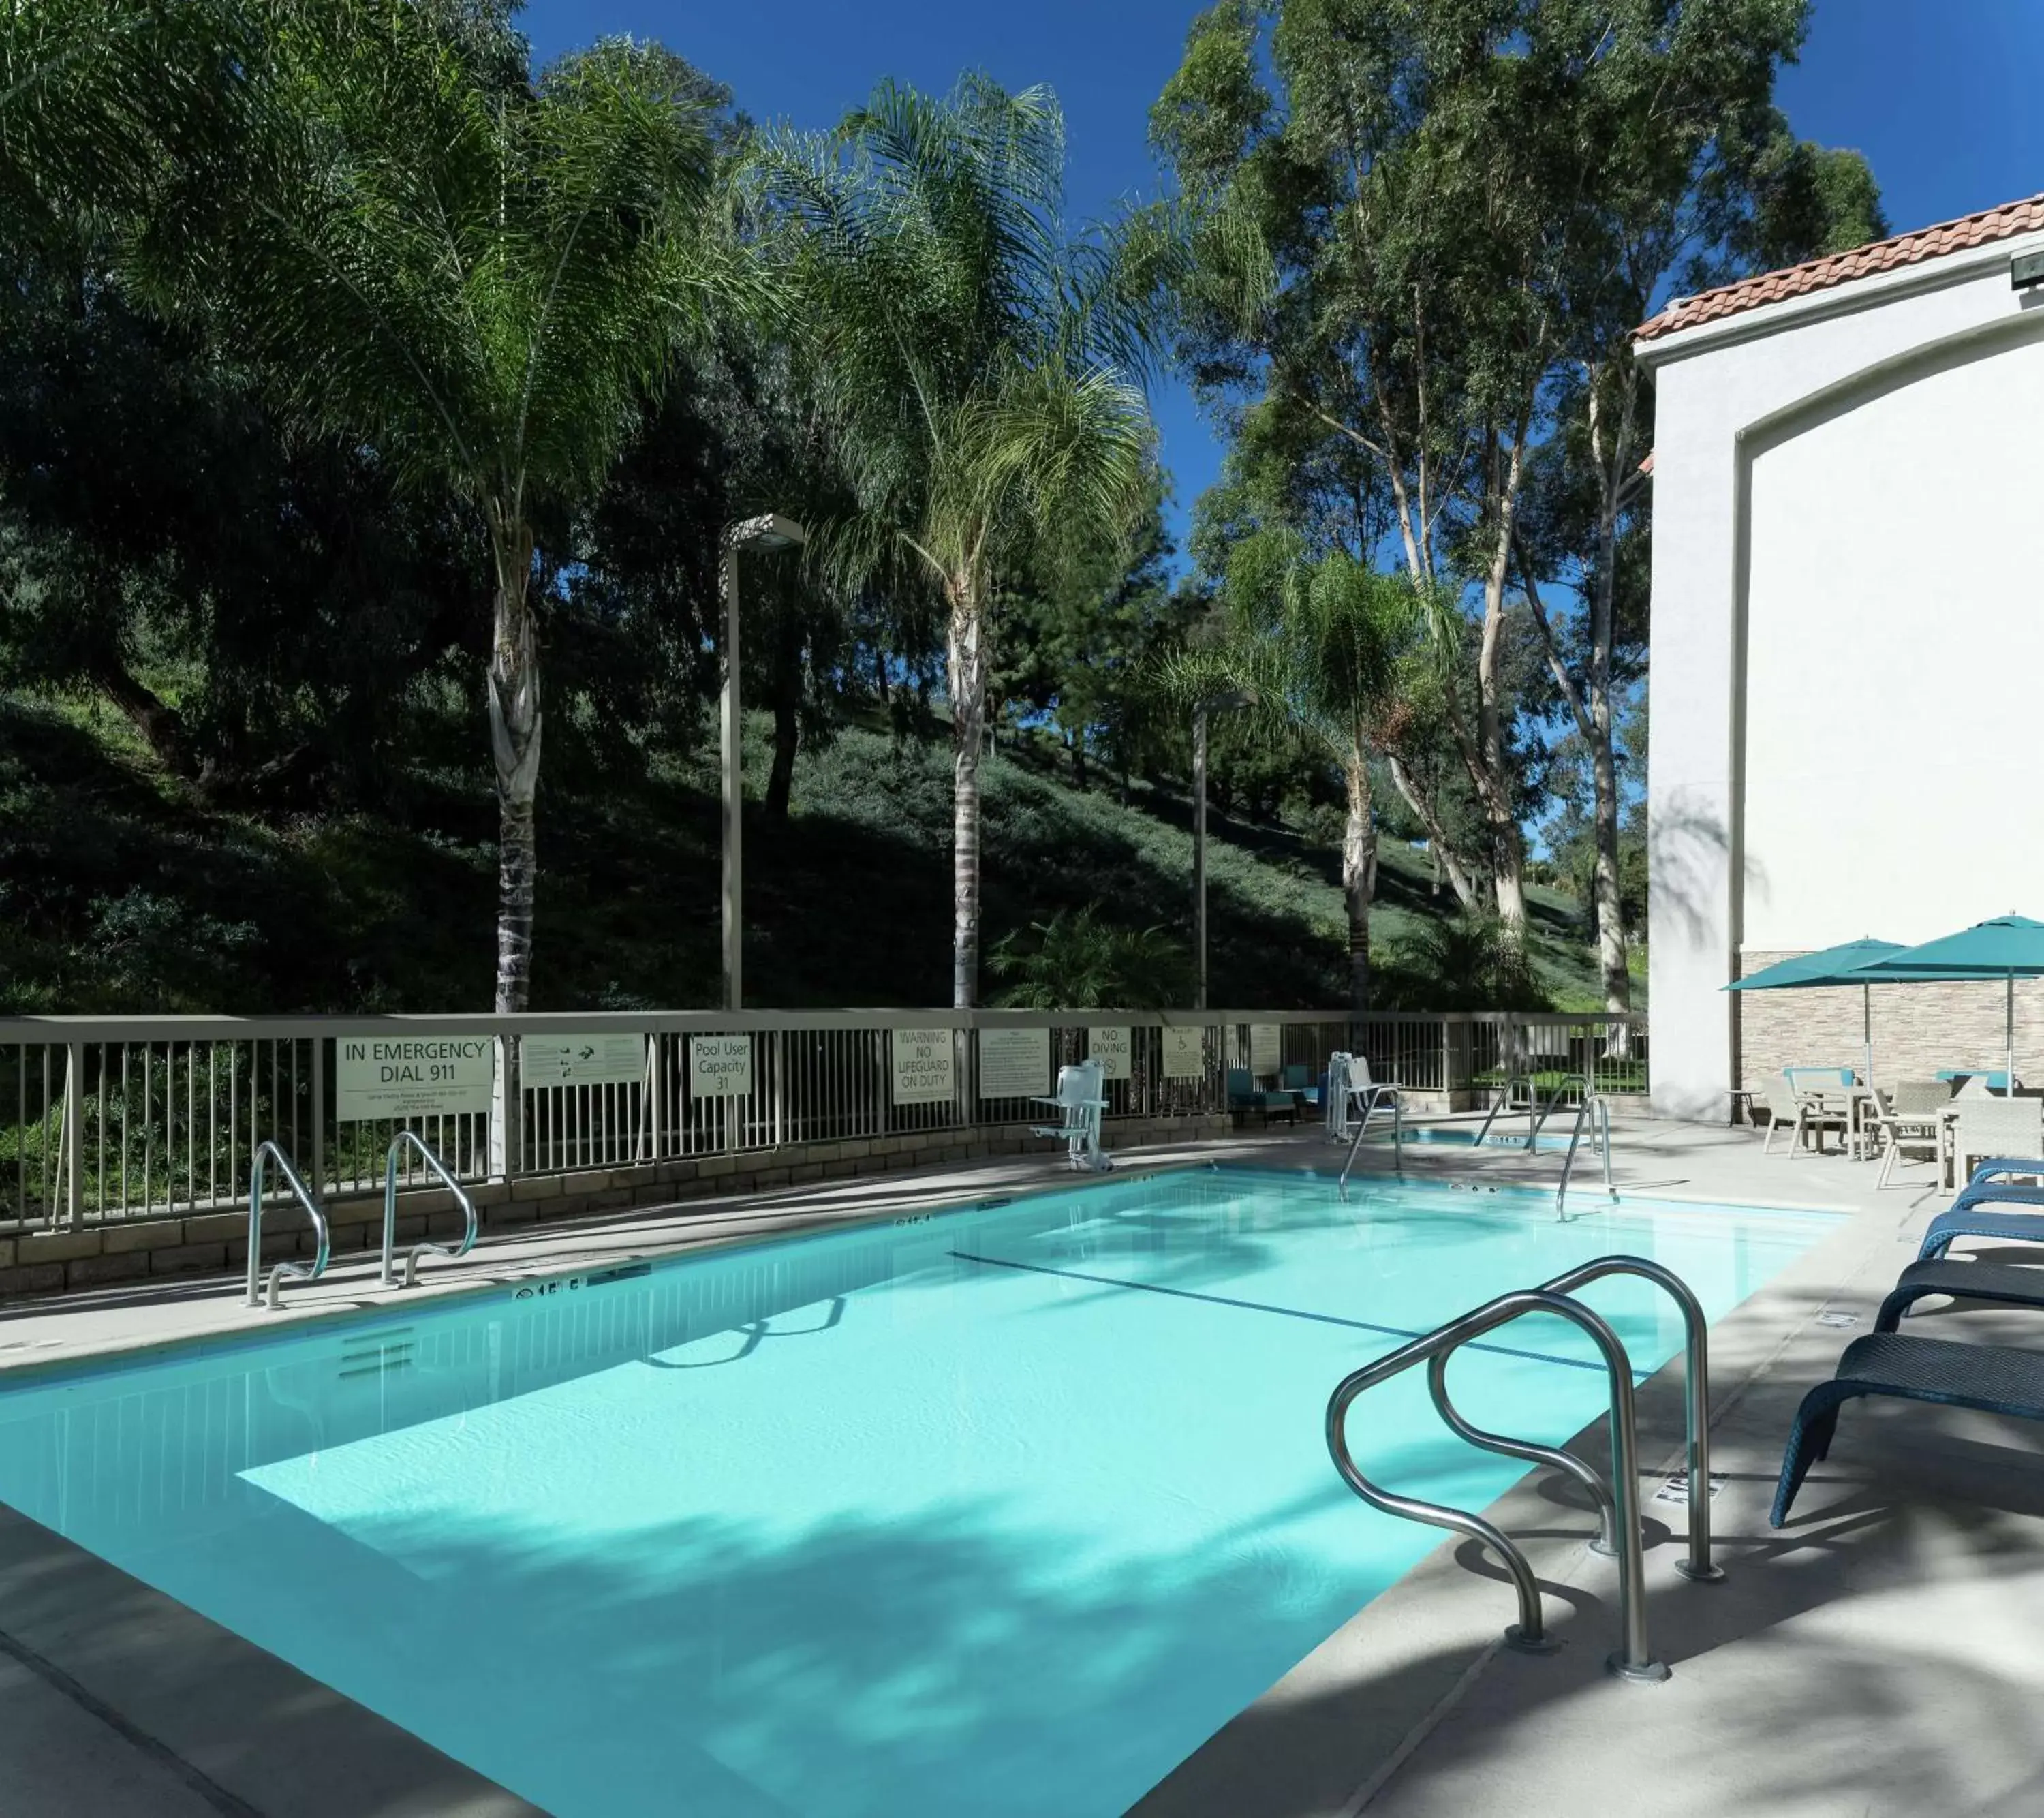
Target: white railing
106,1119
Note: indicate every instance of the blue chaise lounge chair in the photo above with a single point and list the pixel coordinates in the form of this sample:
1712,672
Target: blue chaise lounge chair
1969,1216
1992,1378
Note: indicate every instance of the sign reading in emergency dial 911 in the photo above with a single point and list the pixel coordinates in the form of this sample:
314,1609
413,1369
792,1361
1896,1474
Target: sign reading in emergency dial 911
412,1076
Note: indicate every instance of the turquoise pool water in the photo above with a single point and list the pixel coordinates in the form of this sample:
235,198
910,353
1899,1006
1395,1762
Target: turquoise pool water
998,1511
1504,1135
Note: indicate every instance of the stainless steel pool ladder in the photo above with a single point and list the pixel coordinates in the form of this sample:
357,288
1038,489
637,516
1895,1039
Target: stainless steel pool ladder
266,1153
1378,1095
1617,1500
398,1143
1594,1105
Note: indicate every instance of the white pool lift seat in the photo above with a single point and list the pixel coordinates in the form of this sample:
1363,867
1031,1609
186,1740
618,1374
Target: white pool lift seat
1079,1102
1352,1095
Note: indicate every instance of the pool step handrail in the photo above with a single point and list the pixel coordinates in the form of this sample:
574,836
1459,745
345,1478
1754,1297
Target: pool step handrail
267,1153
1617,1500
1538,1113
1594,1106
392,1156
1696,1387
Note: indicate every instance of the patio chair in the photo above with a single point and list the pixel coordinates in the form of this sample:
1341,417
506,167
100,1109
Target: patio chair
2007,1128
1299,1081
1802,1113
1905,1119
1995,1379
1245,1094
1079,1101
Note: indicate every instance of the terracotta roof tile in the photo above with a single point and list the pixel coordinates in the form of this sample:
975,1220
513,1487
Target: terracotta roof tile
2003,223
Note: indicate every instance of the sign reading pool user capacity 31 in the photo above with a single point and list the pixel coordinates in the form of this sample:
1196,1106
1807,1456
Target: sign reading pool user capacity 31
379,1077
719,1066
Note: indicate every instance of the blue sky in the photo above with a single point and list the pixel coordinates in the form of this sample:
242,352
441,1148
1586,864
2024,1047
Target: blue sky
1940,94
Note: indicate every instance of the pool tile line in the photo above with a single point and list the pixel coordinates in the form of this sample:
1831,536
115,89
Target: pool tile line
1283,1312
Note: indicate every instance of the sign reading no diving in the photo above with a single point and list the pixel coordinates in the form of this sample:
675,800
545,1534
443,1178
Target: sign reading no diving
378,1077
1110,1046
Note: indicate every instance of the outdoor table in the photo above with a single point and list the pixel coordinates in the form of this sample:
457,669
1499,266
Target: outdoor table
1841,1101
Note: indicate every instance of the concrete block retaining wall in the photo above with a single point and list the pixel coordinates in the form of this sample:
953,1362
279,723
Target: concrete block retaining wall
135,1249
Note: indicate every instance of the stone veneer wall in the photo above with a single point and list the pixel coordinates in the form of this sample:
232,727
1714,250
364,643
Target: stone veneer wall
1918,1029
49,1262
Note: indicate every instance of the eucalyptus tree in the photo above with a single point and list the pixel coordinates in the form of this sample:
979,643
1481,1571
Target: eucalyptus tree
980,364
1435,179
477,274
1319,645
1702,179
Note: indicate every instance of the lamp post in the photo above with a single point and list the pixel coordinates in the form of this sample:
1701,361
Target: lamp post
770,532
1199,713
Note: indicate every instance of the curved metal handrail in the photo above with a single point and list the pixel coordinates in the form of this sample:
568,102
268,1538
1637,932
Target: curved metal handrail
1600,1138
1695,1389
266,1152
390,1208
1537,1114
1606,1542
1633,1660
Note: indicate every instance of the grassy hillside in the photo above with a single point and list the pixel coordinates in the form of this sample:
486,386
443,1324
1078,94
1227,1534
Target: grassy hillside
120,892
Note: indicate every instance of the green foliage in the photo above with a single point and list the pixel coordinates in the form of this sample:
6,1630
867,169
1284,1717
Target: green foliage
1467,962
1077,962
847,904
924,240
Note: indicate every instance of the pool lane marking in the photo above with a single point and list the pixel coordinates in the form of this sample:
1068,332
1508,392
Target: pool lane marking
1285,1313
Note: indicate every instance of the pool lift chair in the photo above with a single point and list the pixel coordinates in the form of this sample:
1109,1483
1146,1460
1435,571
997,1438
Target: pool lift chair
1353,1098
1079,1100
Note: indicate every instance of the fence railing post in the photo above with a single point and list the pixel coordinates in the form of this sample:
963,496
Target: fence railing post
319,1121
74,1134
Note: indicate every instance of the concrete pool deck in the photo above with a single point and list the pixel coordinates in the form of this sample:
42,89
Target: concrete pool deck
1876,1656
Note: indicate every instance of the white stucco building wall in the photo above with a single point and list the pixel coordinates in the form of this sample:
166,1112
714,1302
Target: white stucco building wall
1847,653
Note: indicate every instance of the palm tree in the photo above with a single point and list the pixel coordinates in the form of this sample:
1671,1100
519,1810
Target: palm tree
476,274
979,364
1322,649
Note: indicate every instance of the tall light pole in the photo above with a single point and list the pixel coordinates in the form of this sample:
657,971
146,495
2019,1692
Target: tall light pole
771,532
1199,713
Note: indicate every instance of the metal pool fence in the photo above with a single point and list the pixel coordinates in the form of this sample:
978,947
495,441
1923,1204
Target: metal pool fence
107,1119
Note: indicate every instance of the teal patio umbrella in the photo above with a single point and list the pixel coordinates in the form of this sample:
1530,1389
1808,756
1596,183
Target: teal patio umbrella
2009,947
1839,965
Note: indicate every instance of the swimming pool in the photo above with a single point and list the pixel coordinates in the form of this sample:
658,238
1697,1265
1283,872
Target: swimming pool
1000,1511
1503,1135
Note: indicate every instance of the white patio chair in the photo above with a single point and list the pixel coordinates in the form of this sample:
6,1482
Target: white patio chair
1800,1112
2011,1127
1079,1102
1905,1120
